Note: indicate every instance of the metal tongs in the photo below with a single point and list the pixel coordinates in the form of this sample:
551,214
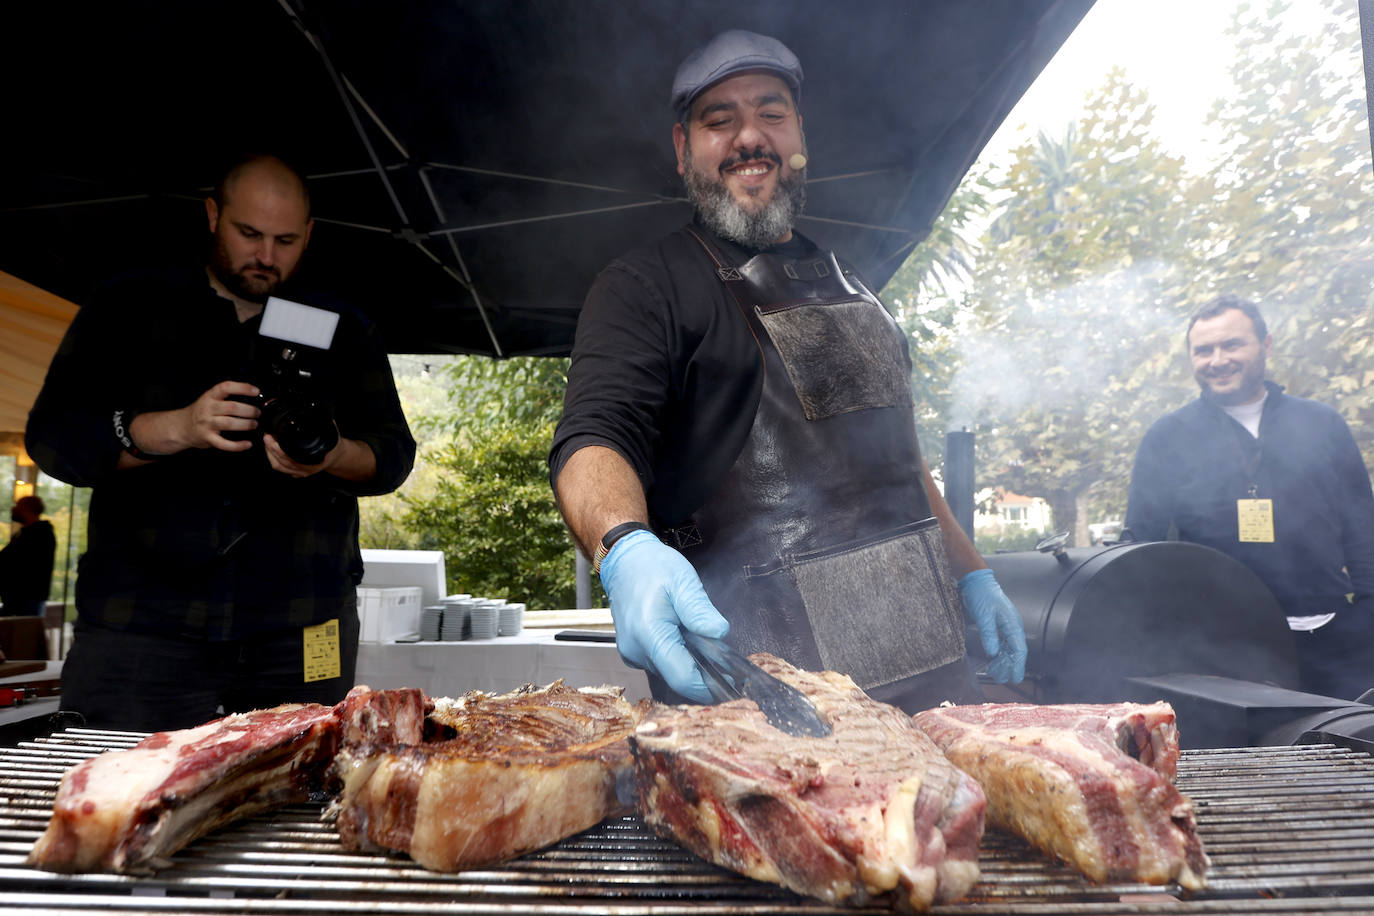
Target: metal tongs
729,675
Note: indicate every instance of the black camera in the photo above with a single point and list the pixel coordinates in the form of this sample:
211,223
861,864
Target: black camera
288,364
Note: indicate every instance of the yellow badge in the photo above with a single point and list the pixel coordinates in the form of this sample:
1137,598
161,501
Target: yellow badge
322,651
1256,518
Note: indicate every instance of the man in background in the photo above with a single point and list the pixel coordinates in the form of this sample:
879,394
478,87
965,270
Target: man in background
26,561
1275,481
222,558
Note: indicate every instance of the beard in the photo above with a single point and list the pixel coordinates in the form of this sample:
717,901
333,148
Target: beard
752,227
238,281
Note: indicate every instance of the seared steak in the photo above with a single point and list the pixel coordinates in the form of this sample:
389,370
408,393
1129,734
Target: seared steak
870,809
127,811
1091,784
521,770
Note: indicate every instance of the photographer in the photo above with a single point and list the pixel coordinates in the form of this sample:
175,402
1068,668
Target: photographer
220,571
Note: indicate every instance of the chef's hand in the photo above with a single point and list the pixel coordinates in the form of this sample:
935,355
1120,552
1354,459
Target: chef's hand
999,624
654,591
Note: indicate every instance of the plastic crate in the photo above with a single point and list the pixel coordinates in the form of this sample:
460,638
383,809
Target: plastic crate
387,614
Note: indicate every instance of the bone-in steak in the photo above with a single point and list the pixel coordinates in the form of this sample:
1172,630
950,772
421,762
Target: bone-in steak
522,770
873,808
127,811
1091,784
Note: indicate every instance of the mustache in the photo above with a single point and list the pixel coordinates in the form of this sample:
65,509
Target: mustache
758,153
261,267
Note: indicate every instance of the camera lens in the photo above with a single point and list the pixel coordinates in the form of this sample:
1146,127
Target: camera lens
304,428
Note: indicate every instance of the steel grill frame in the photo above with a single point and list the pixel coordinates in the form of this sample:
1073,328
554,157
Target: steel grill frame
1289,830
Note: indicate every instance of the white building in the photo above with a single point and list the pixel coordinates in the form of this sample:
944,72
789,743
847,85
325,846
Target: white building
1002,512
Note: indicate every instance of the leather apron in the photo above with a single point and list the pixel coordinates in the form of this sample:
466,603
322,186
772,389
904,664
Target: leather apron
820,545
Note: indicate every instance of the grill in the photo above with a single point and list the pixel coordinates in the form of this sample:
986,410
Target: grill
1289,830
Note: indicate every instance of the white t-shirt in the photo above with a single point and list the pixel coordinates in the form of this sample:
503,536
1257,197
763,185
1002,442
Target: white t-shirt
1248,415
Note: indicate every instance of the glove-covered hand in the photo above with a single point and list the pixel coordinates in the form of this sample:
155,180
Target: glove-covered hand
653,592
999,625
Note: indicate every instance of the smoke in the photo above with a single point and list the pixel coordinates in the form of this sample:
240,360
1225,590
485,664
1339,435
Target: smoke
1073,346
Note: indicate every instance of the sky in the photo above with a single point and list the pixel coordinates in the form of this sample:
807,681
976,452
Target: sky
1175,49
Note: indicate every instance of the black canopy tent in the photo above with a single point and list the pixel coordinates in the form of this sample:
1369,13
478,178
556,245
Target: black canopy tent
474,163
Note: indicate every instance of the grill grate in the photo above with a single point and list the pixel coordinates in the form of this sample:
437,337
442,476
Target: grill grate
1289,830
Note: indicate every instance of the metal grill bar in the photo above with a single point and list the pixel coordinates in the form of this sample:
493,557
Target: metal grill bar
1289,830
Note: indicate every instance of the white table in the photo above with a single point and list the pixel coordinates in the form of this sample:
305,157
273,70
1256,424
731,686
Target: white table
496,665
12,716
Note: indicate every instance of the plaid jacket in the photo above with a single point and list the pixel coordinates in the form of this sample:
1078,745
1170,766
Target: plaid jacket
206,543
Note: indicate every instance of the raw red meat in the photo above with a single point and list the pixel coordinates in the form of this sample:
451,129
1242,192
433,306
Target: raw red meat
1091,784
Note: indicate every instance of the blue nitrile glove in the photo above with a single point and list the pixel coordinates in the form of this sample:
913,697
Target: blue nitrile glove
654,591
998,622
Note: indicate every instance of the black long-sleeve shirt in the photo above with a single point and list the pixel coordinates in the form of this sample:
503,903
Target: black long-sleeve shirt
665,371
207,543
1194,463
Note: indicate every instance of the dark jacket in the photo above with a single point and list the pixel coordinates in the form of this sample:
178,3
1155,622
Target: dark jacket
1194,463
207,543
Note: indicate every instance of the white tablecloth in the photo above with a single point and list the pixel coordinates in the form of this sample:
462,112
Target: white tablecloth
496,665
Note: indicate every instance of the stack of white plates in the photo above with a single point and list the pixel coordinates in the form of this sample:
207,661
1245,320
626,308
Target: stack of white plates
456,616
431,619
511,618
485,615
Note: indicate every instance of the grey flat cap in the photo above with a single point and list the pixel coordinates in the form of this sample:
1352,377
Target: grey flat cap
727,54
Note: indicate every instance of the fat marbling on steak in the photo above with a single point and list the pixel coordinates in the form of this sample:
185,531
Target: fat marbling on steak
520,771
1089,783
127,811
873,808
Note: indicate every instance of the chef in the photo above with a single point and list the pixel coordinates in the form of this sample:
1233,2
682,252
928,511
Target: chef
737,452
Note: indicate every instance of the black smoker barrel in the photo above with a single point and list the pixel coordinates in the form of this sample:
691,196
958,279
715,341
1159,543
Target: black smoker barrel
1162,620
1096,616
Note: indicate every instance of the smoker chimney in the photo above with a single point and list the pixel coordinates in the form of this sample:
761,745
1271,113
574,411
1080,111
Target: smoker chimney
959,477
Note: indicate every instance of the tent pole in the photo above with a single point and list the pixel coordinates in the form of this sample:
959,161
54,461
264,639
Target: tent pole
358,128
498,224
462,264
406,233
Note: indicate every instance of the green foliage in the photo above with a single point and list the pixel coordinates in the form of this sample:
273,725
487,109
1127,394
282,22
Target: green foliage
1295,208
1084,261
1007,540
493,515
924,298
1070,336
480,491
490,392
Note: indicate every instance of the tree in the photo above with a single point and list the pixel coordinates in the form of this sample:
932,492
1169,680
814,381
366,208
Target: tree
493,515
1293,223
424,398
925,296
1103,245
484,497
1072,303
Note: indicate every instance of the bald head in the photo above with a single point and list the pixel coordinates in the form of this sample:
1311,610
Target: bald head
268,172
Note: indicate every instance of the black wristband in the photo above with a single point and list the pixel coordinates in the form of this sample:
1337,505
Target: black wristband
619,531
610,537
121,421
